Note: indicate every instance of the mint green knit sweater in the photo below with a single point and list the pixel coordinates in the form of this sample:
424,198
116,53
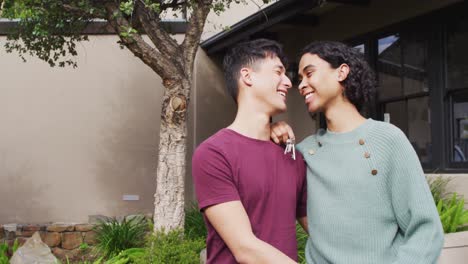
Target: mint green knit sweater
368,200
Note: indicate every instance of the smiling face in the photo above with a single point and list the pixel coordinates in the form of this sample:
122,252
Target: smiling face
269,84
320,83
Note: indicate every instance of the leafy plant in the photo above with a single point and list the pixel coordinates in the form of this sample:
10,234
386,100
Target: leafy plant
174,248
438,186
113,236
301,237
97,261
5,249
84,246
131,255
452,212
194,224
3,253
15,246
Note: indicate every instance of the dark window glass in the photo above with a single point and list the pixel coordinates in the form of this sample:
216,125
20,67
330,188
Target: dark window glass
419,127
460,128
457,54
397,114
415,64
413,118
389,67
361,48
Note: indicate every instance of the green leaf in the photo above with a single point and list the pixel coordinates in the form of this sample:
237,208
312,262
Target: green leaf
126,7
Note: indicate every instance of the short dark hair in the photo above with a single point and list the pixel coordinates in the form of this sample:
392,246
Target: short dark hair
360,85
247,54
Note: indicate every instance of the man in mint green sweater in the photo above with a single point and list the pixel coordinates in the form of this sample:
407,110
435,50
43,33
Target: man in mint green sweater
368,200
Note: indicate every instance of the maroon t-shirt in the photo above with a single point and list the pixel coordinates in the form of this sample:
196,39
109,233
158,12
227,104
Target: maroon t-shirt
271,186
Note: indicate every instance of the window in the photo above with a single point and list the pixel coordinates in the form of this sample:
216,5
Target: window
361,48
389,67
422,71
403,87
457,86
457,54
460,128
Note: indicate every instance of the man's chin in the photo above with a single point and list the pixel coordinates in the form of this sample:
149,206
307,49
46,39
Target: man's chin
280,110
313,109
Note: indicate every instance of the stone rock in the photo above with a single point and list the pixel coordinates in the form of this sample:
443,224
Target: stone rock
24,233
10,227
10,242
52,239
90,238
59,227
31,228
203,256
21,240
10,235
84,227
71,240
33,251
63,254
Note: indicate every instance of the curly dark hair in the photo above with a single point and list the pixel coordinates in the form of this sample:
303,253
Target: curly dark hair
360,85
248,54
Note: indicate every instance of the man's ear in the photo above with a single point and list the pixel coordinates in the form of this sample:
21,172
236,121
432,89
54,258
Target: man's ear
245,76
343,71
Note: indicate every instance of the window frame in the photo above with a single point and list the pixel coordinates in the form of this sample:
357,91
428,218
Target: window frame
439,95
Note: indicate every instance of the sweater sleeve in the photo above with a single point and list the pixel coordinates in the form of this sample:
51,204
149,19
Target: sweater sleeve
413,205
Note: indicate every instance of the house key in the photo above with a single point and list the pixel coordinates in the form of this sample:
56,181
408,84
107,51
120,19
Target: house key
290,148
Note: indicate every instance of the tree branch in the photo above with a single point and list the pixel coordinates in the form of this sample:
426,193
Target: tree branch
138,46
200,10
160,38
78,11
2,3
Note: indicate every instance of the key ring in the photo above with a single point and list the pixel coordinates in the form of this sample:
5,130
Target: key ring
290,148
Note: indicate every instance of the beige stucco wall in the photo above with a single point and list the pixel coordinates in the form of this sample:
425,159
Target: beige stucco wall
214,108
73,141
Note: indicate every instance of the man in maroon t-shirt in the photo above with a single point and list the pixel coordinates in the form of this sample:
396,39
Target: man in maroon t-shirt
250,192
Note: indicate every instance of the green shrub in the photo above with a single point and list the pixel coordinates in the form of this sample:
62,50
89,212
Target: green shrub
128,256
3,253
98,261
113,236
451,210
5,249
174,248
194,224
452,213
302,237
438,186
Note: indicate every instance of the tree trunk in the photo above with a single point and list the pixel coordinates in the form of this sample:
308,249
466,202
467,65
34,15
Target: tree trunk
169,196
